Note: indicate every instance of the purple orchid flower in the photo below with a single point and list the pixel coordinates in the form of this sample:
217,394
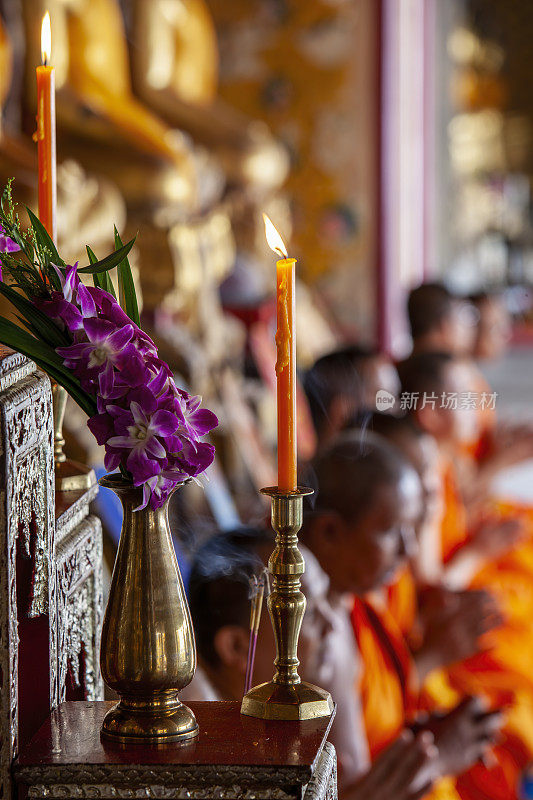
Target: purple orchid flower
64,313
112,458
112,311
147,425
198,420
69,280
61,307
7,245
195,457
195,421
107,347
101,427
141,427
157,489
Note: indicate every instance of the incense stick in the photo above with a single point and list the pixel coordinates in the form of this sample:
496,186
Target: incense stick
255,619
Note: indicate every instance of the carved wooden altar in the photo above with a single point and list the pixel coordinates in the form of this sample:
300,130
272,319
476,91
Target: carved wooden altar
235,757
50,618
50,568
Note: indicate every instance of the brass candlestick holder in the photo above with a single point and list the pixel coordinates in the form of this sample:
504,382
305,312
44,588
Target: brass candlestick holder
286,696
70,476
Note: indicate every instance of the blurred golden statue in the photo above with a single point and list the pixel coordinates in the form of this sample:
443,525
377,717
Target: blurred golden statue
175,72
99,121
86,204
174,60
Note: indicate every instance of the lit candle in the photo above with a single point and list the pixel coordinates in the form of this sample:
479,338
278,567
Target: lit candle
46,132
286,361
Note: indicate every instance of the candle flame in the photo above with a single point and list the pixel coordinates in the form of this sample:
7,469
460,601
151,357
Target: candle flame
274,240
46,39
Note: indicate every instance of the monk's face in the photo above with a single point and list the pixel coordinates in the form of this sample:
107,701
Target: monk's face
372,549
493,329
451,418
378,373
458,330
422,453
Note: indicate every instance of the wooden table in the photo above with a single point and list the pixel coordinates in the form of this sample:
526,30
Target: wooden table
233,757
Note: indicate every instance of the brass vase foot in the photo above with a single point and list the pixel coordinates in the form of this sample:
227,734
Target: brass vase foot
278,701
286,697
150,722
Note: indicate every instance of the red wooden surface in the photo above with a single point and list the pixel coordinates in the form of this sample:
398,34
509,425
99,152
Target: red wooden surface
71,735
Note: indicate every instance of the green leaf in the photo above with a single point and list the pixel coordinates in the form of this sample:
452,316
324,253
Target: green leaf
126,288
46,358
110,261
44,241
101,279
42,326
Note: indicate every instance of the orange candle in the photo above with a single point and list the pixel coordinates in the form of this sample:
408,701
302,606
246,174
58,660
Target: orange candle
46,133
286,361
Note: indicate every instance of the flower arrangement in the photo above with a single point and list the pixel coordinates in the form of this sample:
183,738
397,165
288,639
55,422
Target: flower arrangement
93,346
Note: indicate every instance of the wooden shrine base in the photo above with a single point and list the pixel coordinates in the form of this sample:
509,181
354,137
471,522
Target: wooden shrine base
233,757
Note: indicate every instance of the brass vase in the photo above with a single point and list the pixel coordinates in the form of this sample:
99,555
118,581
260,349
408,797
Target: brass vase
147,652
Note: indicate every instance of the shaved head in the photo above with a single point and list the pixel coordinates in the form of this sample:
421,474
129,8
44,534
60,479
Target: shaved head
350,473
427,307
362,525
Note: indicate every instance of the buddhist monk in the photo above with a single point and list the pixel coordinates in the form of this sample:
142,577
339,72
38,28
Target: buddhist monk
219,594
433,384
342,386
440,321
476,329
479,551
442,625
361,529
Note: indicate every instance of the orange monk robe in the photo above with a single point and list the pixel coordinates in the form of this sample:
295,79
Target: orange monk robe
503,669
454,529
509,578
503,673
388,684
478,445
402,603
389,687
389,698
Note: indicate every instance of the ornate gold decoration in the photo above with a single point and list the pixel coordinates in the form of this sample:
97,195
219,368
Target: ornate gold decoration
70,475
286,696
148,652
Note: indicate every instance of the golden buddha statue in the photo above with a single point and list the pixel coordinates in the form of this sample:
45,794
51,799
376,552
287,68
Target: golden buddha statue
172,189
175,72
174,60
103,127
99,121
86,203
